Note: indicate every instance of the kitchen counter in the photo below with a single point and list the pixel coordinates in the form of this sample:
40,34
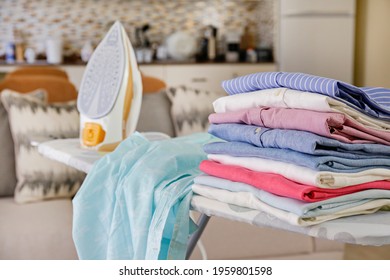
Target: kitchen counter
199,75
156,62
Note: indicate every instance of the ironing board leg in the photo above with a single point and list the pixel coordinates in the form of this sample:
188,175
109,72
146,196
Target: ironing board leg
202,223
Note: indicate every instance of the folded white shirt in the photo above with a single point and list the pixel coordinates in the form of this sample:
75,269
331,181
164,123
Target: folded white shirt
304,175
289,98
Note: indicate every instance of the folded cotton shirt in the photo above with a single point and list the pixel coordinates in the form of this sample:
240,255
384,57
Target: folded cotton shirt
304,175
373,101
370,229
298,207
315,162
329,124
249,201
289,98
279,185
296,140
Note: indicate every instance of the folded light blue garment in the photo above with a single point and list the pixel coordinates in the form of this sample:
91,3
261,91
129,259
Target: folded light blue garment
297,140
134,203
373,101
320,163
300,208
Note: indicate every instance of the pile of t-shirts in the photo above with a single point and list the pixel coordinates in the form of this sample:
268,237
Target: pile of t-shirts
306,149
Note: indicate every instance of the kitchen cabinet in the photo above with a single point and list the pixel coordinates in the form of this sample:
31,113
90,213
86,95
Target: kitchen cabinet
203,76
157,71
210,76
75,73
200,76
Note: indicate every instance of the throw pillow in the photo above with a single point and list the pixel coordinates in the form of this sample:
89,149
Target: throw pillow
155,114
190,109
39,178
7,169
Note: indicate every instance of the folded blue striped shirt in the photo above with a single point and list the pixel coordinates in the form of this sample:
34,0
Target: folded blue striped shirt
373,101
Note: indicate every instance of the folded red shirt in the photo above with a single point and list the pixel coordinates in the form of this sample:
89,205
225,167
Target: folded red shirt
280,185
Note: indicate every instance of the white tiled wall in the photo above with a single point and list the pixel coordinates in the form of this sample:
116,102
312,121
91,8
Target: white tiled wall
80,20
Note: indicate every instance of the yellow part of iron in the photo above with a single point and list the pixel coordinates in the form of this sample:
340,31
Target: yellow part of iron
93,134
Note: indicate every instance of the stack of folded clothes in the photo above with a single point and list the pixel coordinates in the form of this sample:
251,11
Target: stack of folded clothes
306,149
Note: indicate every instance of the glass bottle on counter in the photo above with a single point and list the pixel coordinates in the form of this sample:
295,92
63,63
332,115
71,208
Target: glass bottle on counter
232,46
211,36
30,55
54,49
247,45
10,46
86,51
19,47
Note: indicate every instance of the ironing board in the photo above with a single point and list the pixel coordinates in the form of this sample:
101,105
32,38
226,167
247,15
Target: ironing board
372,229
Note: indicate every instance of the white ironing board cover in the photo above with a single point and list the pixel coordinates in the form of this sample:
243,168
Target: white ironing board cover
372,229
69,152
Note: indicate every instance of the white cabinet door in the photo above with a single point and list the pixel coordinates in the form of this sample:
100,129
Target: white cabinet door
75,74
156,71
245,69
205,77
7,68
209,77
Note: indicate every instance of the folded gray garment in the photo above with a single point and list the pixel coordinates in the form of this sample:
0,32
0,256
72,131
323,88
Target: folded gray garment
250,202
315,162
372,229
300,208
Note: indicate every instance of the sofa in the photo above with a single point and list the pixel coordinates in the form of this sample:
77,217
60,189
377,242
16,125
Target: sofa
43,229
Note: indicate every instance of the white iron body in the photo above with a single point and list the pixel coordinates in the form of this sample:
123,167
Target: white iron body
110,94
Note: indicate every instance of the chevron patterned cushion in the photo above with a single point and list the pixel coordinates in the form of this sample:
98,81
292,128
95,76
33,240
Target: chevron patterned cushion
7,169
190,109
39,178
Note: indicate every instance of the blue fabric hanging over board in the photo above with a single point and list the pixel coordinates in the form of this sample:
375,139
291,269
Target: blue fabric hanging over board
134,203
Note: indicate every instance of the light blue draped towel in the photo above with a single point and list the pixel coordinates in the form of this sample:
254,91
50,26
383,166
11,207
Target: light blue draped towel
134,203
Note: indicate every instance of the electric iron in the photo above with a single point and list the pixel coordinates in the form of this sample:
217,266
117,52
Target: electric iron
110,94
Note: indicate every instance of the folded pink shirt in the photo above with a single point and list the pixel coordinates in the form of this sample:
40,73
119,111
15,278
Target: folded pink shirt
332,125
279,185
